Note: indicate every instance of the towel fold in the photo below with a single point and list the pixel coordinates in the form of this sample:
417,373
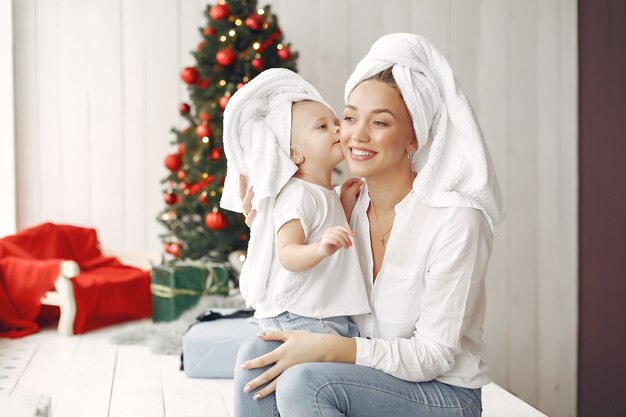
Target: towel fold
452,163
257,136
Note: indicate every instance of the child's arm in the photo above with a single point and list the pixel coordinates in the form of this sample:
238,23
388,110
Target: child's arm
350,191
297,256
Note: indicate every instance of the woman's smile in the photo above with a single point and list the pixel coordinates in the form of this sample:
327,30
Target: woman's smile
361,154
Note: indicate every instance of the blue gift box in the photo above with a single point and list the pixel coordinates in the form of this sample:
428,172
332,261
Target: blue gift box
210,348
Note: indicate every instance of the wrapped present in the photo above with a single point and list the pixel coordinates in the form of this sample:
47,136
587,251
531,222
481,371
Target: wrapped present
210,347
178,286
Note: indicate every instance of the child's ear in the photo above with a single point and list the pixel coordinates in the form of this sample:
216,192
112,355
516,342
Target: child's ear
296,156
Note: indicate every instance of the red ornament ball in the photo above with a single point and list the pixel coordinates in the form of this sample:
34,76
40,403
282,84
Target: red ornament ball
208,31
284,54
204,116
174,249
181,149
182,186
221,180
189,75
219,11
181,175
173,162
202,198
255,22
215,154
240,85
258,64
215,221
200,46
203,130
225,57
223,101
183,108
170,198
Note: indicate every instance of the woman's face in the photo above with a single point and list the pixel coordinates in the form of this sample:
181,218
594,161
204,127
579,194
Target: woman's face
376,131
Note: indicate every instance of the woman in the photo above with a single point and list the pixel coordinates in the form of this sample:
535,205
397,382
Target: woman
424,228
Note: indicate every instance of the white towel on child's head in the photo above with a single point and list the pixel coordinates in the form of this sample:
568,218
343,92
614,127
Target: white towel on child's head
257,137
452,162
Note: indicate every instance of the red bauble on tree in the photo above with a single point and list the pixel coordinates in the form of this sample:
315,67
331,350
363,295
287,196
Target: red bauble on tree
215,154
284,53
225,57
239,85
255,22
223,101
181,175
189,75
170,198
208,31
183,108
215,220
173,249
203,130
181,149
258,64
219,11
204,116
202,198
173,162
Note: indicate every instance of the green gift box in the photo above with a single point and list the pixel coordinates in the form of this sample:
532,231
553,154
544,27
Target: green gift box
178,287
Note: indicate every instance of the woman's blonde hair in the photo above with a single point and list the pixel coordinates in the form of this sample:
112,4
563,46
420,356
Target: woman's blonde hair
385,76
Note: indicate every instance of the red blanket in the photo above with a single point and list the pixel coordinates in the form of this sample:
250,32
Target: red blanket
105,291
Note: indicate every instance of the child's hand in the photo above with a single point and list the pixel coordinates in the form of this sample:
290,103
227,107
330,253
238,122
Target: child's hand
350,191
335,238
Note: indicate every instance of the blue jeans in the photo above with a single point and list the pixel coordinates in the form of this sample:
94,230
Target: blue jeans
289,321
340,389
244,406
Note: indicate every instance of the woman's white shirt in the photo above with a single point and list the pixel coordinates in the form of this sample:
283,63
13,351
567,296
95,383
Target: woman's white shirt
428,300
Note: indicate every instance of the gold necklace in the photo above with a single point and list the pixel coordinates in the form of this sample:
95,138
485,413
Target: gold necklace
382,235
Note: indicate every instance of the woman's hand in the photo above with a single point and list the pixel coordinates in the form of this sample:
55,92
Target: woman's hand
299,346
350,191
246,195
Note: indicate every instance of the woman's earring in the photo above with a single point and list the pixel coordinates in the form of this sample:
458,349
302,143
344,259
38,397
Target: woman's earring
409,154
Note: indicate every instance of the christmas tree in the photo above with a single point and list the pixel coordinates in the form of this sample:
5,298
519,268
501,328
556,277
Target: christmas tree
238,42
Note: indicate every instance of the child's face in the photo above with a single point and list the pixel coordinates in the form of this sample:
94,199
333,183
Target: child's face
315,134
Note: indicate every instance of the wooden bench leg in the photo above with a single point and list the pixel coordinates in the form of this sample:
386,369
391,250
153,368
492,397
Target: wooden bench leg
63,296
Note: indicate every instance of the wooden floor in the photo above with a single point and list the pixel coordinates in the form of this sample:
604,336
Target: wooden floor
87,376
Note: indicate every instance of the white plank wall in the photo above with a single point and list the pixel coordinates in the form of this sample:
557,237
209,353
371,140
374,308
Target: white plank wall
8,209
97,90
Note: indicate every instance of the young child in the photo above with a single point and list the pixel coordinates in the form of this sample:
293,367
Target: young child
302,271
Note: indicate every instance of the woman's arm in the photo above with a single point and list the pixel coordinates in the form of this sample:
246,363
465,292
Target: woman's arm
349,192
299,347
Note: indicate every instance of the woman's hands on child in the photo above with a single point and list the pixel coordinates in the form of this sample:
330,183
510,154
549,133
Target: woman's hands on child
350,191
246,195
333,239
300,346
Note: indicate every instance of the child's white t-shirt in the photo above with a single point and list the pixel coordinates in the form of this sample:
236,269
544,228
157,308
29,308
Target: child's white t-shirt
333,287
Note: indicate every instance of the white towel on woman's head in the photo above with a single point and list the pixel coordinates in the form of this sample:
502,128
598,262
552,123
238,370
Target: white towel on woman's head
257,137
452,162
